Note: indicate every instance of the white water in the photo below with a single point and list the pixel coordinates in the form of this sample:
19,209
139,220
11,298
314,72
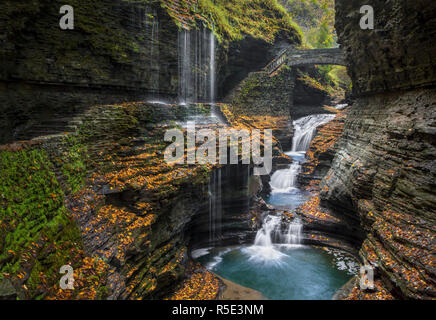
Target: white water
293,235
197,66
305,128
155,56
272,231
270,236
271,226
285,181
212,67
341,106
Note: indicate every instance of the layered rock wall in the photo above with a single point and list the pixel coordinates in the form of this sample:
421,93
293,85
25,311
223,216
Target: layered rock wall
383,174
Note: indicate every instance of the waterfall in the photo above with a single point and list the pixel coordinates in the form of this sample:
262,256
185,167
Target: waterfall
184,65
271,232
197,66
212,67
305,128
271,226
270,235
285,180
293,235
215,204
155,56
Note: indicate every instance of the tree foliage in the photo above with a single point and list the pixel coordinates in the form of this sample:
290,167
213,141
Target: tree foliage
316,19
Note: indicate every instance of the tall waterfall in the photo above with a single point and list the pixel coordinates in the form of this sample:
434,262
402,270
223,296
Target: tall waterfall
212,67
154,54
197,66
215,204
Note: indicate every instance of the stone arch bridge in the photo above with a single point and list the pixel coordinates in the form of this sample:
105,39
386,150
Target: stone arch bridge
293,57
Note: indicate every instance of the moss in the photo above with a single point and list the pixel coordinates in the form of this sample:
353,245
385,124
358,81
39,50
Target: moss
249,90
39,235
233,19
73,164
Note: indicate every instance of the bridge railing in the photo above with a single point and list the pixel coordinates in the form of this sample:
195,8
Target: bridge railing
277,62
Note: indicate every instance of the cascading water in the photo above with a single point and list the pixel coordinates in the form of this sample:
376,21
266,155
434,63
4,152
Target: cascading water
184,53
197,66
155,56
212,67
305,129
285,180
276,264
284,183
293,235
272,234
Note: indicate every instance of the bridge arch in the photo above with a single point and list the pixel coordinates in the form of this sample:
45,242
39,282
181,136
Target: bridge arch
292,57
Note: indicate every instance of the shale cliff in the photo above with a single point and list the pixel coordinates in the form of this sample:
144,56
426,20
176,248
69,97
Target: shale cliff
383,175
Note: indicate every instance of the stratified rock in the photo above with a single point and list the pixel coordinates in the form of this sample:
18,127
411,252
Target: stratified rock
322,151
384,172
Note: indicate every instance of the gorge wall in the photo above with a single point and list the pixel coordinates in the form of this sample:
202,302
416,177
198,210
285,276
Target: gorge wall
383,174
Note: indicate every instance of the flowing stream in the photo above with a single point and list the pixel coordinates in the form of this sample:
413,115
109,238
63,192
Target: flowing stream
284,182
277,264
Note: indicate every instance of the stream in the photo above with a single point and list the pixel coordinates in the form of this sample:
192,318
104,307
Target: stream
277,264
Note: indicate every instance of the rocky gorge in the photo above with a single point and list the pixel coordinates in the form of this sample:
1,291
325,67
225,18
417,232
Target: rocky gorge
84,180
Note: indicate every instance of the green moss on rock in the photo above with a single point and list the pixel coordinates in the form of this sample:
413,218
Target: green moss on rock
38,235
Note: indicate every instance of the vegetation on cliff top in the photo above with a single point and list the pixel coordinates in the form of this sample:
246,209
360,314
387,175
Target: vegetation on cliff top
233,19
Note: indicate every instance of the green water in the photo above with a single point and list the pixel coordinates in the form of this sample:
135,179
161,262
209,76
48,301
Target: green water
282,272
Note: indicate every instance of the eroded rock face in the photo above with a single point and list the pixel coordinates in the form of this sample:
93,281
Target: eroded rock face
383,174
117,52
398,54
